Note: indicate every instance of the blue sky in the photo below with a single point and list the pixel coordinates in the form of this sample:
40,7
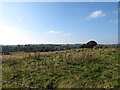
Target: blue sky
58,23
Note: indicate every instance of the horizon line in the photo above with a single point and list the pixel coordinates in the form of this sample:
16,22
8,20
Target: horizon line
55,44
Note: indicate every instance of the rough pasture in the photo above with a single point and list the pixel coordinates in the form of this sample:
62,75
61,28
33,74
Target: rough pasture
75,68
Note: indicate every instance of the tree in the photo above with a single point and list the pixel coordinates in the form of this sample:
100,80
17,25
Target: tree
90,44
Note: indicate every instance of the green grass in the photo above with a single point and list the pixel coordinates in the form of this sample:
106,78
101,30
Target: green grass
77,68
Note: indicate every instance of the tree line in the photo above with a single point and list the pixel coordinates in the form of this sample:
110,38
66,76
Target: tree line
38,48
50,47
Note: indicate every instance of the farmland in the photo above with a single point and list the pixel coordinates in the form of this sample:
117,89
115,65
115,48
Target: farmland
74,68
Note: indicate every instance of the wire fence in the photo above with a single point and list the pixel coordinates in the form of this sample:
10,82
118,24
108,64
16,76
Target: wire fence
18,84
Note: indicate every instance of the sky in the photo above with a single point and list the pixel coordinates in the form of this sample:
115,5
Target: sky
58,22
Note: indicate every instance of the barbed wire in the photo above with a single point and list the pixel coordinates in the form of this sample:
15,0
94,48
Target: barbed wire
17,84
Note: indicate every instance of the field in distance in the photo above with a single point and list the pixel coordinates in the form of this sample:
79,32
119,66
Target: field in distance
75,68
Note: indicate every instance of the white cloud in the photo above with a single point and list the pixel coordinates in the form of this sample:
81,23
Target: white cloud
57,32
96,14
67,34
53,32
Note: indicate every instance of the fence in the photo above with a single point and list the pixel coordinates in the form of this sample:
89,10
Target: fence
17,84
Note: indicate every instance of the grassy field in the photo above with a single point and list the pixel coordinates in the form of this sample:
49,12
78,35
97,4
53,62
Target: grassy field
77,68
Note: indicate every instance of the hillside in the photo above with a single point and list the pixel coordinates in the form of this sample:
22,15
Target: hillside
75,68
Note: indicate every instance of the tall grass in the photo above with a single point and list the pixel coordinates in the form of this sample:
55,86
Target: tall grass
77,68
